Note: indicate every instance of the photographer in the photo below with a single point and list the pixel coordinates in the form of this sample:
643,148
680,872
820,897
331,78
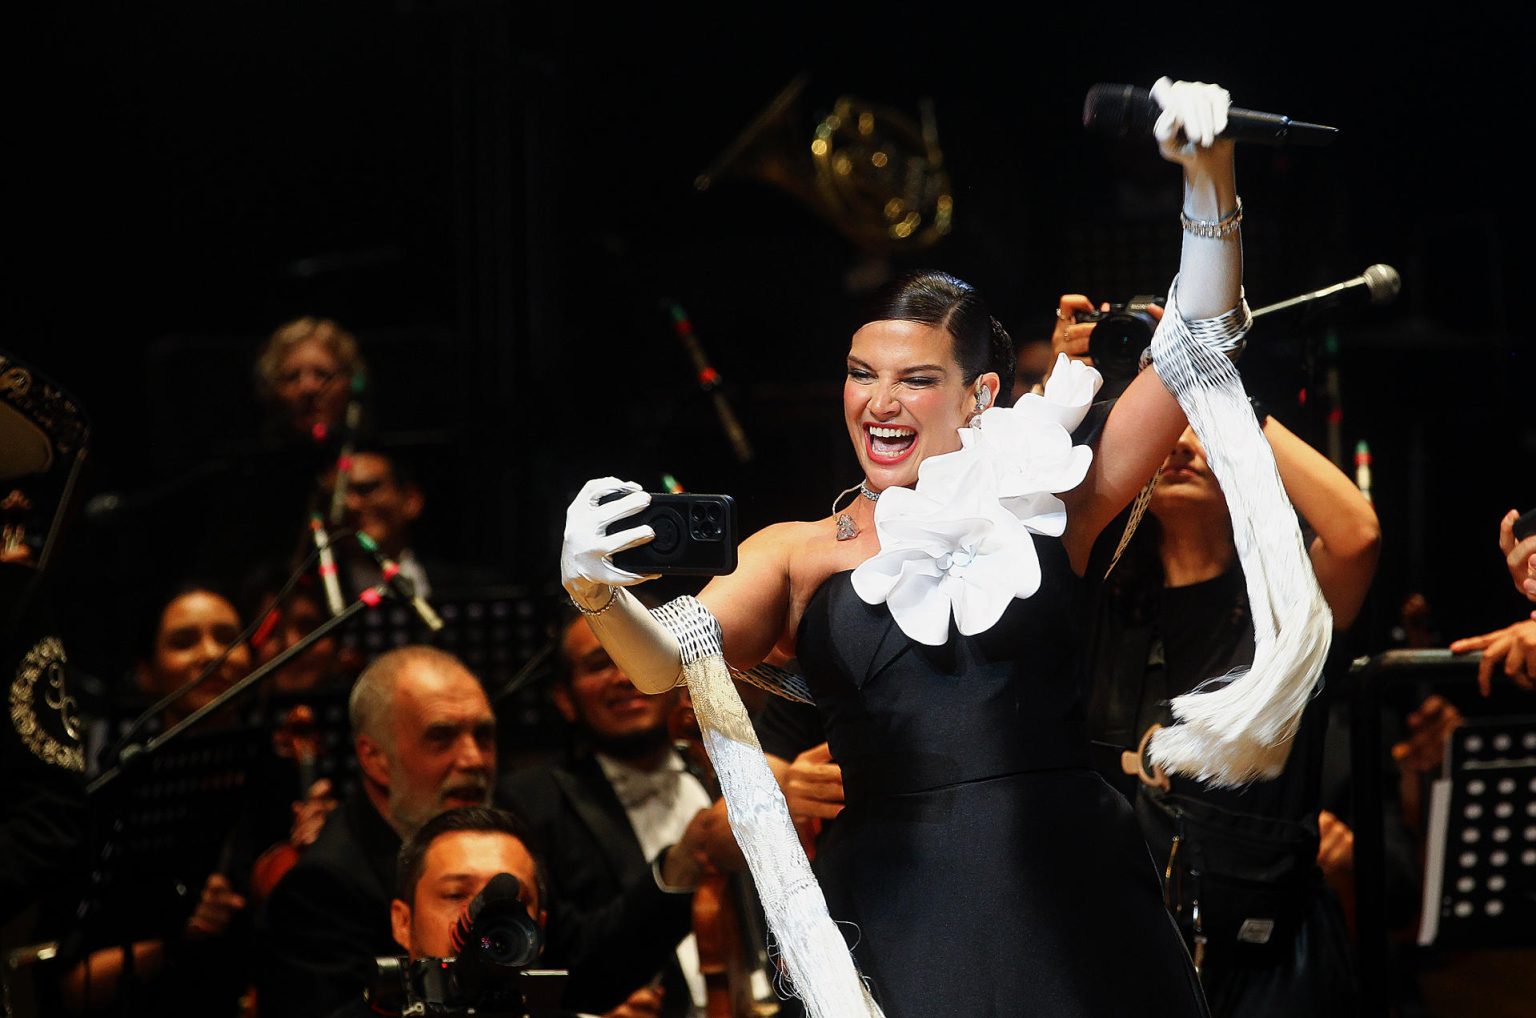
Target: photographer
1251,870
441,873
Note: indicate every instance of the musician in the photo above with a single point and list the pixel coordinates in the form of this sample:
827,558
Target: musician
425,738
384,501
623,821
304,374
188,954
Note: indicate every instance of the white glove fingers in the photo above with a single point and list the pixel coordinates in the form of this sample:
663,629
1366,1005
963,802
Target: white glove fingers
625,540
600,486
609,512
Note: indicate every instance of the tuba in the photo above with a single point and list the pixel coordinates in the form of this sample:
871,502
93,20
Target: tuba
869,170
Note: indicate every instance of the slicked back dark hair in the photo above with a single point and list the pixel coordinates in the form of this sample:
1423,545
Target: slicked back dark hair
413,853
936,298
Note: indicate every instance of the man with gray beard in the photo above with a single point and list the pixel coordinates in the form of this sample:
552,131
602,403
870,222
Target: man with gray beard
425,739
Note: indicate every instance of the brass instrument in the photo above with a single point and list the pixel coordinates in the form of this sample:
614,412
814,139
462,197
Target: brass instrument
869,170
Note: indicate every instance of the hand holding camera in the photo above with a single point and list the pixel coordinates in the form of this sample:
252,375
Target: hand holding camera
1111,338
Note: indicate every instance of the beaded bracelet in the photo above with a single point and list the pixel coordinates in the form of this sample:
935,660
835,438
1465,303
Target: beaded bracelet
613,595
1213,229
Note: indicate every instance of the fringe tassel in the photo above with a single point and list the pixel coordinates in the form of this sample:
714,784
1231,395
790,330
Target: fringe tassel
1239,727
821,969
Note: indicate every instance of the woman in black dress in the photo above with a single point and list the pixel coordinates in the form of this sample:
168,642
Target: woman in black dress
981,865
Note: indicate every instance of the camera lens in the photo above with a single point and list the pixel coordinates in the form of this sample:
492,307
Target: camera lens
704,522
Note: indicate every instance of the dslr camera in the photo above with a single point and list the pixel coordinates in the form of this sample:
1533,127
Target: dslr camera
1119,337
496,941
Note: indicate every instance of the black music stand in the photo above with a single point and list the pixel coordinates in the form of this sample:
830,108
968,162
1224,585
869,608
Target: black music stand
1387,678
495,631
166,817
1480,854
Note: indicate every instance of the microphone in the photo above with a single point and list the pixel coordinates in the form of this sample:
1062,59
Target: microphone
1122,111
403,588
709,381
1378,284
328,578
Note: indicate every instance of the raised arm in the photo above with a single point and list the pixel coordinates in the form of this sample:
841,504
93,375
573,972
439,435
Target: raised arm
1348,536
1147,419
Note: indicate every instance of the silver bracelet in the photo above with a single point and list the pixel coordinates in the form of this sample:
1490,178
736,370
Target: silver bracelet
592,613
1217,229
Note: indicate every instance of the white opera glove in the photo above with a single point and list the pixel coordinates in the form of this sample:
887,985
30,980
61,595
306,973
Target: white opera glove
586,566
1194,114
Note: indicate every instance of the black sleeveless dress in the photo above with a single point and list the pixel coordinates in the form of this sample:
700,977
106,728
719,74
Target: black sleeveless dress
980,867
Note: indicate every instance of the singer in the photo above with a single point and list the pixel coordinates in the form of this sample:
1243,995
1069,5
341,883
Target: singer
980,866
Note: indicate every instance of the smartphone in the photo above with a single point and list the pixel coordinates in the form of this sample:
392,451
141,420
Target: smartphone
1525,526
695,535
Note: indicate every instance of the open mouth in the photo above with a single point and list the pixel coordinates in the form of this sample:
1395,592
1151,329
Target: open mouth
630,704
464,795
889,444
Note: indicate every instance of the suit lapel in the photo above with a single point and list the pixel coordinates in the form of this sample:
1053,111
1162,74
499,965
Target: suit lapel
586,788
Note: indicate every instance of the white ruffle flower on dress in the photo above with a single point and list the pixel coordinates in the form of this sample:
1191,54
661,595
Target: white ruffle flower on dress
959,543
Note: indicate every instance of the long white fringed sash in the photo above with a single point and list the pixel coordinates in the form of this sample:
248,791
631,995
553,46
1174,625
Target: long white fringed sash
1238,728
821,969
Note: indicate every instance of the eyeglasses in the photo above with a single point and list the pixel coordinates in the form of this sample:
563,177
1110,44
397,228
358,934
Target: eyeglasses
293,376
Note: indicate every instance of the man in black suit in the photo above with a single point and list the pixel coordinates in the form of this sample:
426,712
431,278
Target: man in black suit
622,823
384,501
425,738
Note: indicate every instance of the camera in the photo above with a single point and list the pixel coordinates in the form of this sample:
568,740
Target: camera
496,941
1119,337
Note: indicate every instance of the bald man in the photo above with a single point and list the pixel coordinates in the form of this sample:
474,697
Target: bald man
425,739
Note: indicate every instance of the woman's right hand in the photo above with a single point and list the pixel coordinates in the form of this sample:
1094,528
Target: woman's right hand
586,567
1193,116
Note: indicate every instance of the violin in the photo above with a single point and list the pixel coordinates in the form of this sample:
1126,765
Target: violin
726,956
295,738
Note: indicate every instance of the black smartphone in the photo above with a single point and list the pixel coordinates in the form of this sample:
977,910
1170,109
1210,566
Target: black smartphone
695,535
1525,526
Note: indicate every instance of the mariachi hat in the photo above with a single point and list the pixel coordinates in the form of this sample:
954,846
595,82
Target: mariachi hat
41,425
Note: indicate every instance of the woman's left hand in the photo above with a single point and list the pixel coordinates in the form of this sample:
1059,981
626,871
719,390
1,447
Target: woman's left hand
1194,115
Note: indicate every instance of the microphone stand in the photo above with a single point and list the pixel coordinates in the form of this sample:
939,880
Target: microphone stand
133,754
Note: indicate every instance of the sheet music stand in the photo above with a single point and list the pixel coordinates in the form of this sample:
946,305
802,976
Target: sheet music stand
1389,678
1480,855
164,821
494,631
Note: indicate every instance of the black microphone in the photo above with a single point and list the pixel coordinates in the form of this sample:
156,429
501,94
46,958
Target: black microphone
1122,111
1378,284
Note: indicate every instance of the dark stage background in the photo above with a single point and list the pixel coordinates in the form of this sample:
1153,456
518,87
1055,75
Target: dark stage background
497,198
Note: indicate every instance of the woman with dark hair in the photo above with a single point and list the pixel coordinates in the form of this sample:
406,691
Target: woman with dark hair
1268,933
980,866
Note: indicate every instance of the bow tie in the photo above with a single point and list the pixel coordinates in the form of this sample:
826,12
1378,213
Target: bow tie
635,788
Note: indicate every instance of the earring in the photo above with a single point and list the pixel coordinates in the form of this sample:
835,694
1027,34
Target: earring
983,396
